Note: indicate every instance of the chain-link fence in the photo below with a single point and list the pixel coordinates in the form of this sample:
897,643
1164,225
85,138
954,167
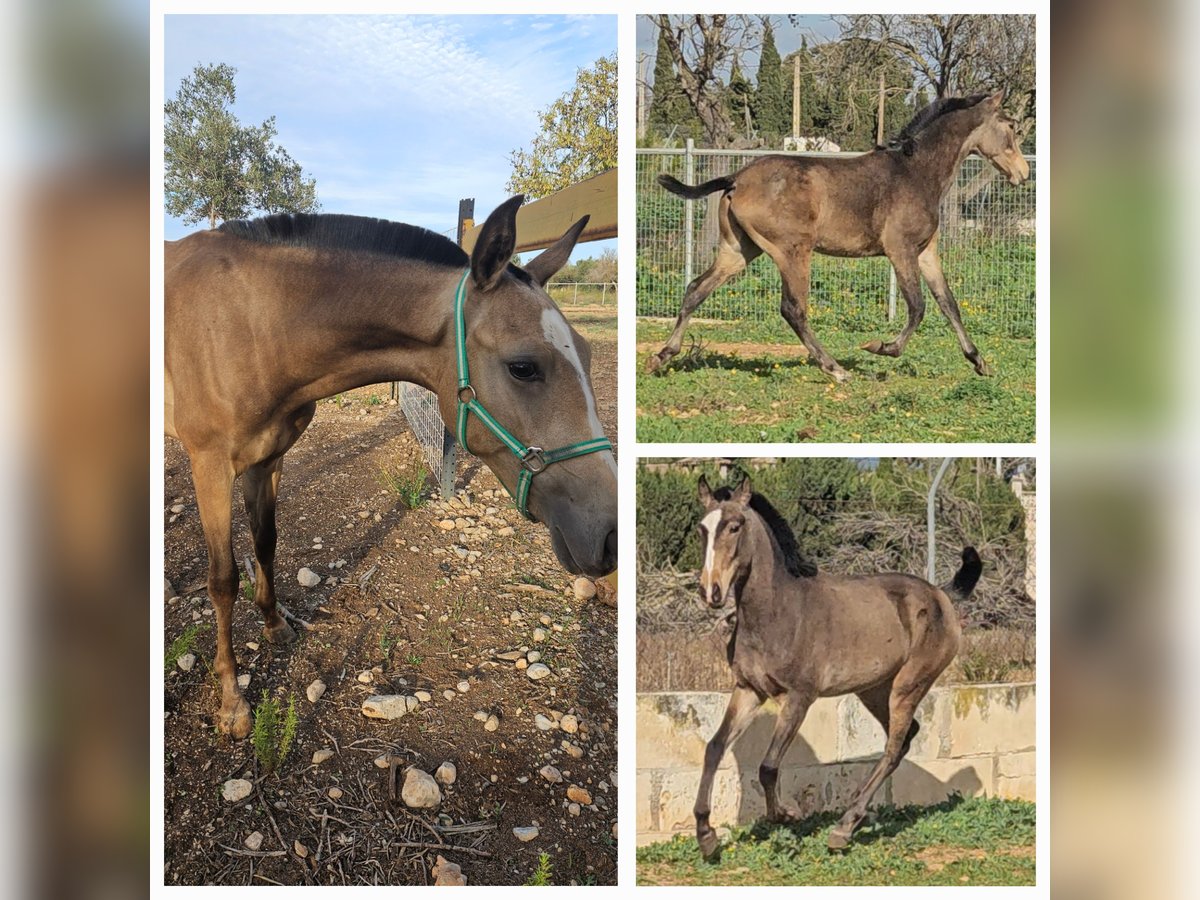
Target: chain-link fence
986,245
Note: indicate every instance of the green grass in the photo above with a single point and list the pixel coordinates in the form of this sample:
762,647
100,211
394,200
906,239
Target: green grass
185,643
930,394
975,841
409,486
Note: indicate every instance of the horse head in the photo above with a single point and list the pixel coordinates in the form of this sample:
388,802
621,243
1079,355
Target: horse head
723,532
995,139
529,373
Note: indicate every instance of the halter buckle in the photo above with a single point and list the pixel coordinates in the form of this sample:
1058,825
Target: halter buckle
533,460
470,388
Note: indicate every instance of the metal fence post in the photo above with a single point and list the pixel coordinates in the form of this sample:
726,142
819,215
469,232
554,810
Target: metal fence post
891,293
447,481
688,212
931,552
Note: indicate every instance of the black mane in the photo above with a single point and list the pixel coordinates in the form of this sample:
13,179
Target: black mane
905,139
340,232
795,562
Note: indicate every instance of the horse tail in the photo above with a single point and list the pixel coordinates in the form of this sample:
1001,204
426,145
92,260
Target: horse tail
675,186
966,577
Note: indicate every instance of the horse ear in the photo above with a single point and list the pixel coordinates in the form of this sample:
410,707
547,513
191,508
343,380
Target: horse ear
543,266
742,494
705,492
494,248
993,102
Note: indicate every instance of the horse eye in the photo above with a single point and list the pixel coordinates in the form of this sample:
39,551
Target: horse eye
523,370
735,527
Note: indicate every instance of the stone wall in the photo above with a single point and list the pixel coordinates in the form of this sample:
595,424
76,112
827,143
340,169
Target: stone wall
975,739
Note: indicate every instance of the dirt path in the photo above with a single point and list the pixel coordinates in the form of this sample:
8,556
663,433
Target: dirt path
406,605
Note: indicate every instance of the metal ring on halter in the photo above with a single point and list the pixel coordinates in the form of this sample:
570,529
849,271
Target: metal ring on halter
467,387
531,456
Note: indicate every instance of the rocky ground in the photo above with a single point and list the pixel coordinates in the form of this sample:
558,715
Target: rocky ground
455,692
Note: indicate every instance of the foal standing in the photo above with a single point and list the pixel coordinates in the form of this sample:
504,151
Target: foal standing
883,637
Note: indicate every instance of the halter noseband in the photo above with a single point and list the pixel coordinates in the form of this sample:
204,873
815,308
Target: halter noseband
534,460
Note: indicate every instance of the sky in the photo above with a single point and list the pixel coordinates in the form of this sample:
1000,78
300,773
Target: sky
395,116
817,29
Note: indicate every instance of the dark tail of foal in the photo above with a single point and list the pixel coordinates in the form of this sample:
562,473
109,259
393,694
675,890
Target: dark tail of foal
675,186
966,577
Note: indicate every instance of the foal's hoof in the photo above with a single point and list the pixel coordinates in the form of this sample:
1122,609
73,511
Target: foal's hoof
838,839
709,844
841,376
881,349
236,721
981,367
654,363
282,633
786,815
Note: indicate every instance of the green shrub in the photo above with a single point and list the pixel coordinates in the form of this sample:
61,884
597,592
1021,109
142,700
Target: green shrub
542,874
274,732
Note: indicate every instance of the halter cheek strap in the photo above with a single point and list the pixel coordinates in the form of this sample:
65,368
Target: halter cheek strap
534,460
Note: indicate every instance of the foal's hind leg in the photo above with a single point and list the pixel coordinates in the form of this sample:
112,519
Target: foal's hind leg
908,277
903,696
931,269
213,477
794,268
735,252
260,486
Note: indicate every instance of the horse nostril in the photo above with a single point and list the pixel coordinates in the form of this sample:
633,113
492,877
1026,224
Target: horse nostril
716,595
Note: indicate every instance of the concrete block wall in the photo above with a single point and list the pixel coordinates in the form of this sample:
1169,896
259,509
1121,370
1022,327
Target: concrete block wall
974,739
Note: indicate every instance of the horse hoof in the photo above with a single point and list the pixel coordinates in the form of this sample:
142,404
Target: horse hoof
786,816
235,722
838,840
873,346
283,633
982,368
841,376
653,364
709,844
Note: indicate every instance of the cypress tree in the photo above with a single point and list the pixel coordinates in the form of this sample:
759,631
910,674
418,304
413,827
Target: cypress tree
772,106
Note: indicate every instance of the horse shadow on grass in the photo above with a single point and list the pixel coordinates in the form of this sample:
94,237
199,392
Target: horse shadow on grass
821,791
700,360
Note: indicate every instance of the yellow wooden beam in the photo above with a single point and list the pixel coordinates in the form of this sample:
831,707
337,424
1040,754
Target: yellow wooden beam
542,222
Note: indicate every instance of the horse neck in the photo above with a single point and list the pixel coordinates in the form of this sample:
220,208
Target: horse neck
942,148
390,320
767,573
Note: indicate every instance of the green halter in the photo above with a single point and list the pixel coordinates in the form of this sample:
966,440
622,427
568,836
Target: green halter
534,460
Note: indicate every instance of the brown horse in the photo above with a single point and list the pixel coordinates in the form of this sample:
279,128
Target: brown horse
264,318
883,203
797,637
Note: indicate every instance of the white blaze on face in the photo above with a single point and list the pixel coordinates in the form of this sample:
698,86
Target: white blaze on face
710,523
558,335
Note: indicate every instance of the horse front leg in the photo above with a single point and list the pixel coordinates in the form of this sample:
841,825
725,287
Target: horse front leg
742,704
787,723
213,477
931,270
908,277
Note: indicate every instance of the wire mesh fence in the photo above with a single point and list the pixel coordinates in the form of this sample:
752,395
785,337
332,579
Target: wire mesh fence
987,246
420,408
583,293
